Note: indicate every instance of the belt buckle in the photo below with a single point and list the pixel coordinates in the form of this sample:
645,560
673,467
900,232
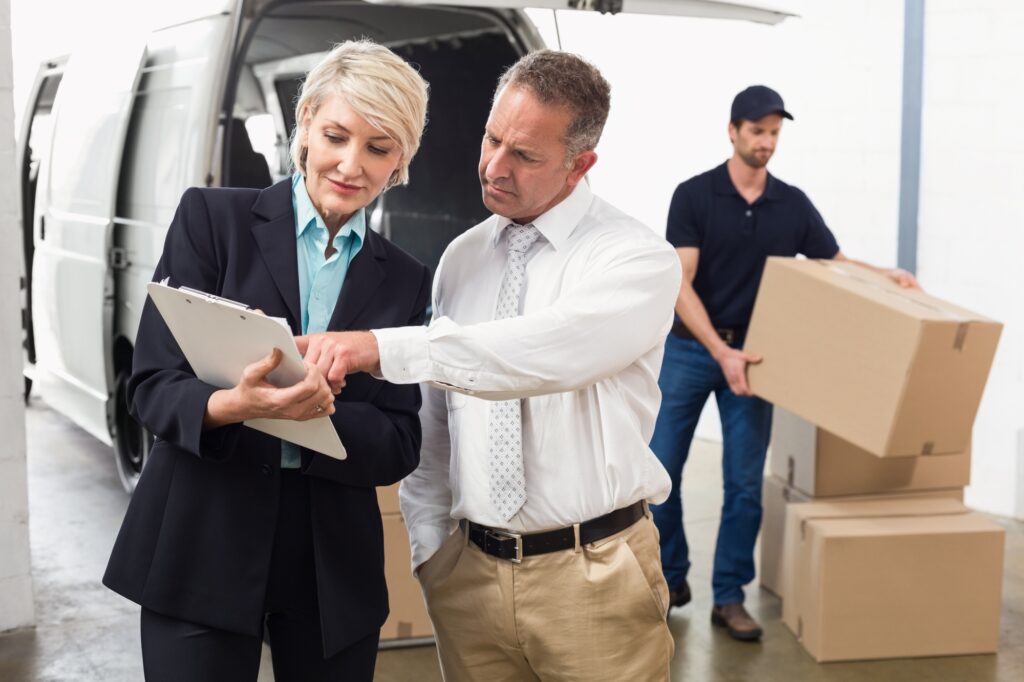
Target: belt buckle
507,535
728,335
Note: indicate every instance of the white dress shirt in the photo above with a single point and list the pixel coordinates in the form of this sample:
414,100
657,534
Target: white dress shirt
584,354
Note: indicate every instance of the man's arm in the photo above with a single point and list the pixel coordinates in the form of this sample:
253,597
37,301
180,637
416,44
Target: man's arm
898,275
619,310
691,311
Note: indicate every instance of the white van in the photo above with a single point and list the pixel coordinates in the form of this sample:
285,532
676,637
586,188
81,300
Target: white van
113,136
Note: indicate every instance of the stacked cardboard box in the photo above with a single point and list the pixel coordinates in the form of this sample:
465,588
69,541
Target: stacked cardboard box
892,579
408,621
865,537
806,463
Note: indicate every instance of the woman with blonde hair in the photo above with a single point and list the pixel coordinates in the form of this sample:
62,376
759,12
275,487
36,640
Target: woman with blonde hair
232,534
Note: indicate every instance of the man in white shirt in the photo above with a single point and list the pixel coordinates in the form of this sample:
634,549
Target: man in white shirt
528,513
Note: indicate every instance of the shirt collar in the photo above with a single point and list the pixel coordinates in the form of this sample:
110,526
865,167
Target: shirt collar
559,222
306,215
722,184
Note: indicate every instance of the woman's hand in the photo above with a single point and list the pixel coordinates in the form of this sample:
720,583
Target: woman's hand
255,397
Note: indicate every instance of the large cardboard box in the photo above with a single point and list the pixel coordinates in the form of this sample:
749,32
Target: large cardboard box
777,495
892,579
408,619
821,464
894,371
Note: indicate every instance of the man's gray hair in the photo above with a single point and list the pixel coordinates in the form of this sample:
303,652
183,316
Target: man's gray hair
567,80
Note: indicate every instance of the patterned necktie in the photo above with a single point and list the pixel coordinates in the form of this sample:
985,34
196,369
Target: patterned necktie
505,429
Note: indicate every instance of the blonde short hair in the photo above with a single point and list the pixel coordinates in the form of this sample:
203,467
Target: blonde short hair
379,85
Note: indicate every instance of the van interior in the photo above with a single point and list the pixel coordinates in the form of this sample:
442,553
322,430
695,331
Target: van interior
461,54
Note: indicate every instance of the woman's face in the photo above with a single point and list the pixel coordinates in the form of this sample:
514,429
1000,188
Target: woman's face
348,161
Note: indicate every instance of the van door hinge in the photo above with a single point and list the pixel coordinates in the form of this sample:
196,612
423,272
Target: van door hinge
119,258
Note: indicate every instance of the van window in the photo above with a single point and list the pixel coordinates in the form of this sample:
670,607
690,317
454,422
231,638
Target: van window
41,126
173,122
170,142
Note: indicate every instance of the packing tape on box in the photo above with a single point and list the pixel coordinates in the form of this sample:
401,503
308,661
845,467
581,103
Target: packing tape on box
906,295
887,515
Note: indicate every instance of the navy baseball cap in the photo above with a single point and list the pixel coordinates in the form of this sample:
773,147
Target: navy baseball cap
756,102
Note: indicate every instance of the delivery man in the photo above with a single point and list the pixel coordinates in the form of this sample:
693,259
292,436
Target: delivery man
724,223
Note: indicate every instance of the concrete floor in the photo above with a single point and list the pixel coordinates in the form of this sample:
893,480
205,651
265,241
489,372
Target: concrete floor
87,633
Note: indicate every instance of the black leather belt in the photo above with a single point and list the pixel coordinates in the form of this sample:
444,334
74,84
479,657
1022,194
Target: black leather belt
730,336
514,546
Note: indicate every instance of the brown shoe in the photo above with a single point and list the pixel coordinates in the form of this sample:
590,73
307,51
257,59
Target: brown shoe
737,622
680,595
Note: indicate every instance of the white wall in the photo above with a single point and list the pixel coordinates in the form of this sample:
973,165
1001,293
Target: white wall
972,217
838,67
16,609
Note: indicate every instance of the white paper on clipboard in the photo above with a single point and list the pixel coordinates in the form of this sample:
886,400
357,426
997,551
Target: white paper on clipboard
220,338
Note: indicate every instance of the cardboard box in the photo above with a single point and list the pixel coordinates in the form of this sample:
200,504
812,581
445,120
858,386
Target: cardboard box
777,495
892,579
408,618
387,499
821,464
894,371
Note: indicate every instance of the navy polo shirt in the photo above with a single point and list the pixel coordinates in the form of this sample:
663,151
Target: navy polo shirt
735,238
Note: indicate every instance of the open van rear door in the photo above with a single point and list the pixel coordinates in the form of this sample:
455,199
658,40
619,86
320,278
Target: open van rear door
72,298
760,12
33,147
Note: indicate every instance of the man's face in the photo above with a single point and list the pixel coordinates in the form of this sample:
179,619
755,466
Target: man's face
754,141
522,167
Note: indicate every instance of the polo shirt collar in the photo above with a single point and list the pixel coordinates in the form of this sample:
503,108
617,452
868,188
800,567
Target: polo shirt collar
559,222
722,184
771,189
306,215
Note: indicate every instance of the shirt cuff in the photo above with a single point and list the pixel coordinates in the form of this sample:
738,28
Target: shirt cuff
404,354
425,540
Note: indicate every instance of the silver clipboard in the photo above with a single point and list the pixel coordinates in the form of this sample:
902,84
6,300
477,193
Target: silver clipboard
220,338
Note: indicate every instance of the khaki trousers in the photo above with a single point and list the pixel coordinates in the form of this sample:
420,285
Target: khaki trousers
592,614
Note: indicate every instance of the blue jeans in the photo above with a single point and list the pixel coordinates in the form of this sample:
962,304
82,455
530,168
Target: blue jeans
688,376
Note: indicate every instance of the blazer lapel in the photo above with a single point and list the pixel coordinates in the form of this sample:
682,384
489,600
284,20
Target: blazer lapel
275,237
365,274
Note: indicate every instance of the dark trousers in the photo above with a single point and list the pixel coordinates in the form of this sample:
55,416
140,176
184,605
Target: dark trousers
689,375
174,650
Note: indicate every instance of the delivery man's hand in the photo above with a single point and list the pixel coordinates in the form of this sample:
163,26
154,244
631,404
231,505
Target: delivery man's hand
734,366
903,278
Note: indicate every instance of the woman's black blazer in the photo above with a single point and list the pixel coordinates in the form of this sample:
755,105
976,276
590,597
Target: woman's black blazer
196,541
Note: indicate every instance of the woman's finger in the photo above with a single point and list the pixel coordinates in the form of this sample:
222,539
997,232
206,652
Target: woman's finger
257,371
